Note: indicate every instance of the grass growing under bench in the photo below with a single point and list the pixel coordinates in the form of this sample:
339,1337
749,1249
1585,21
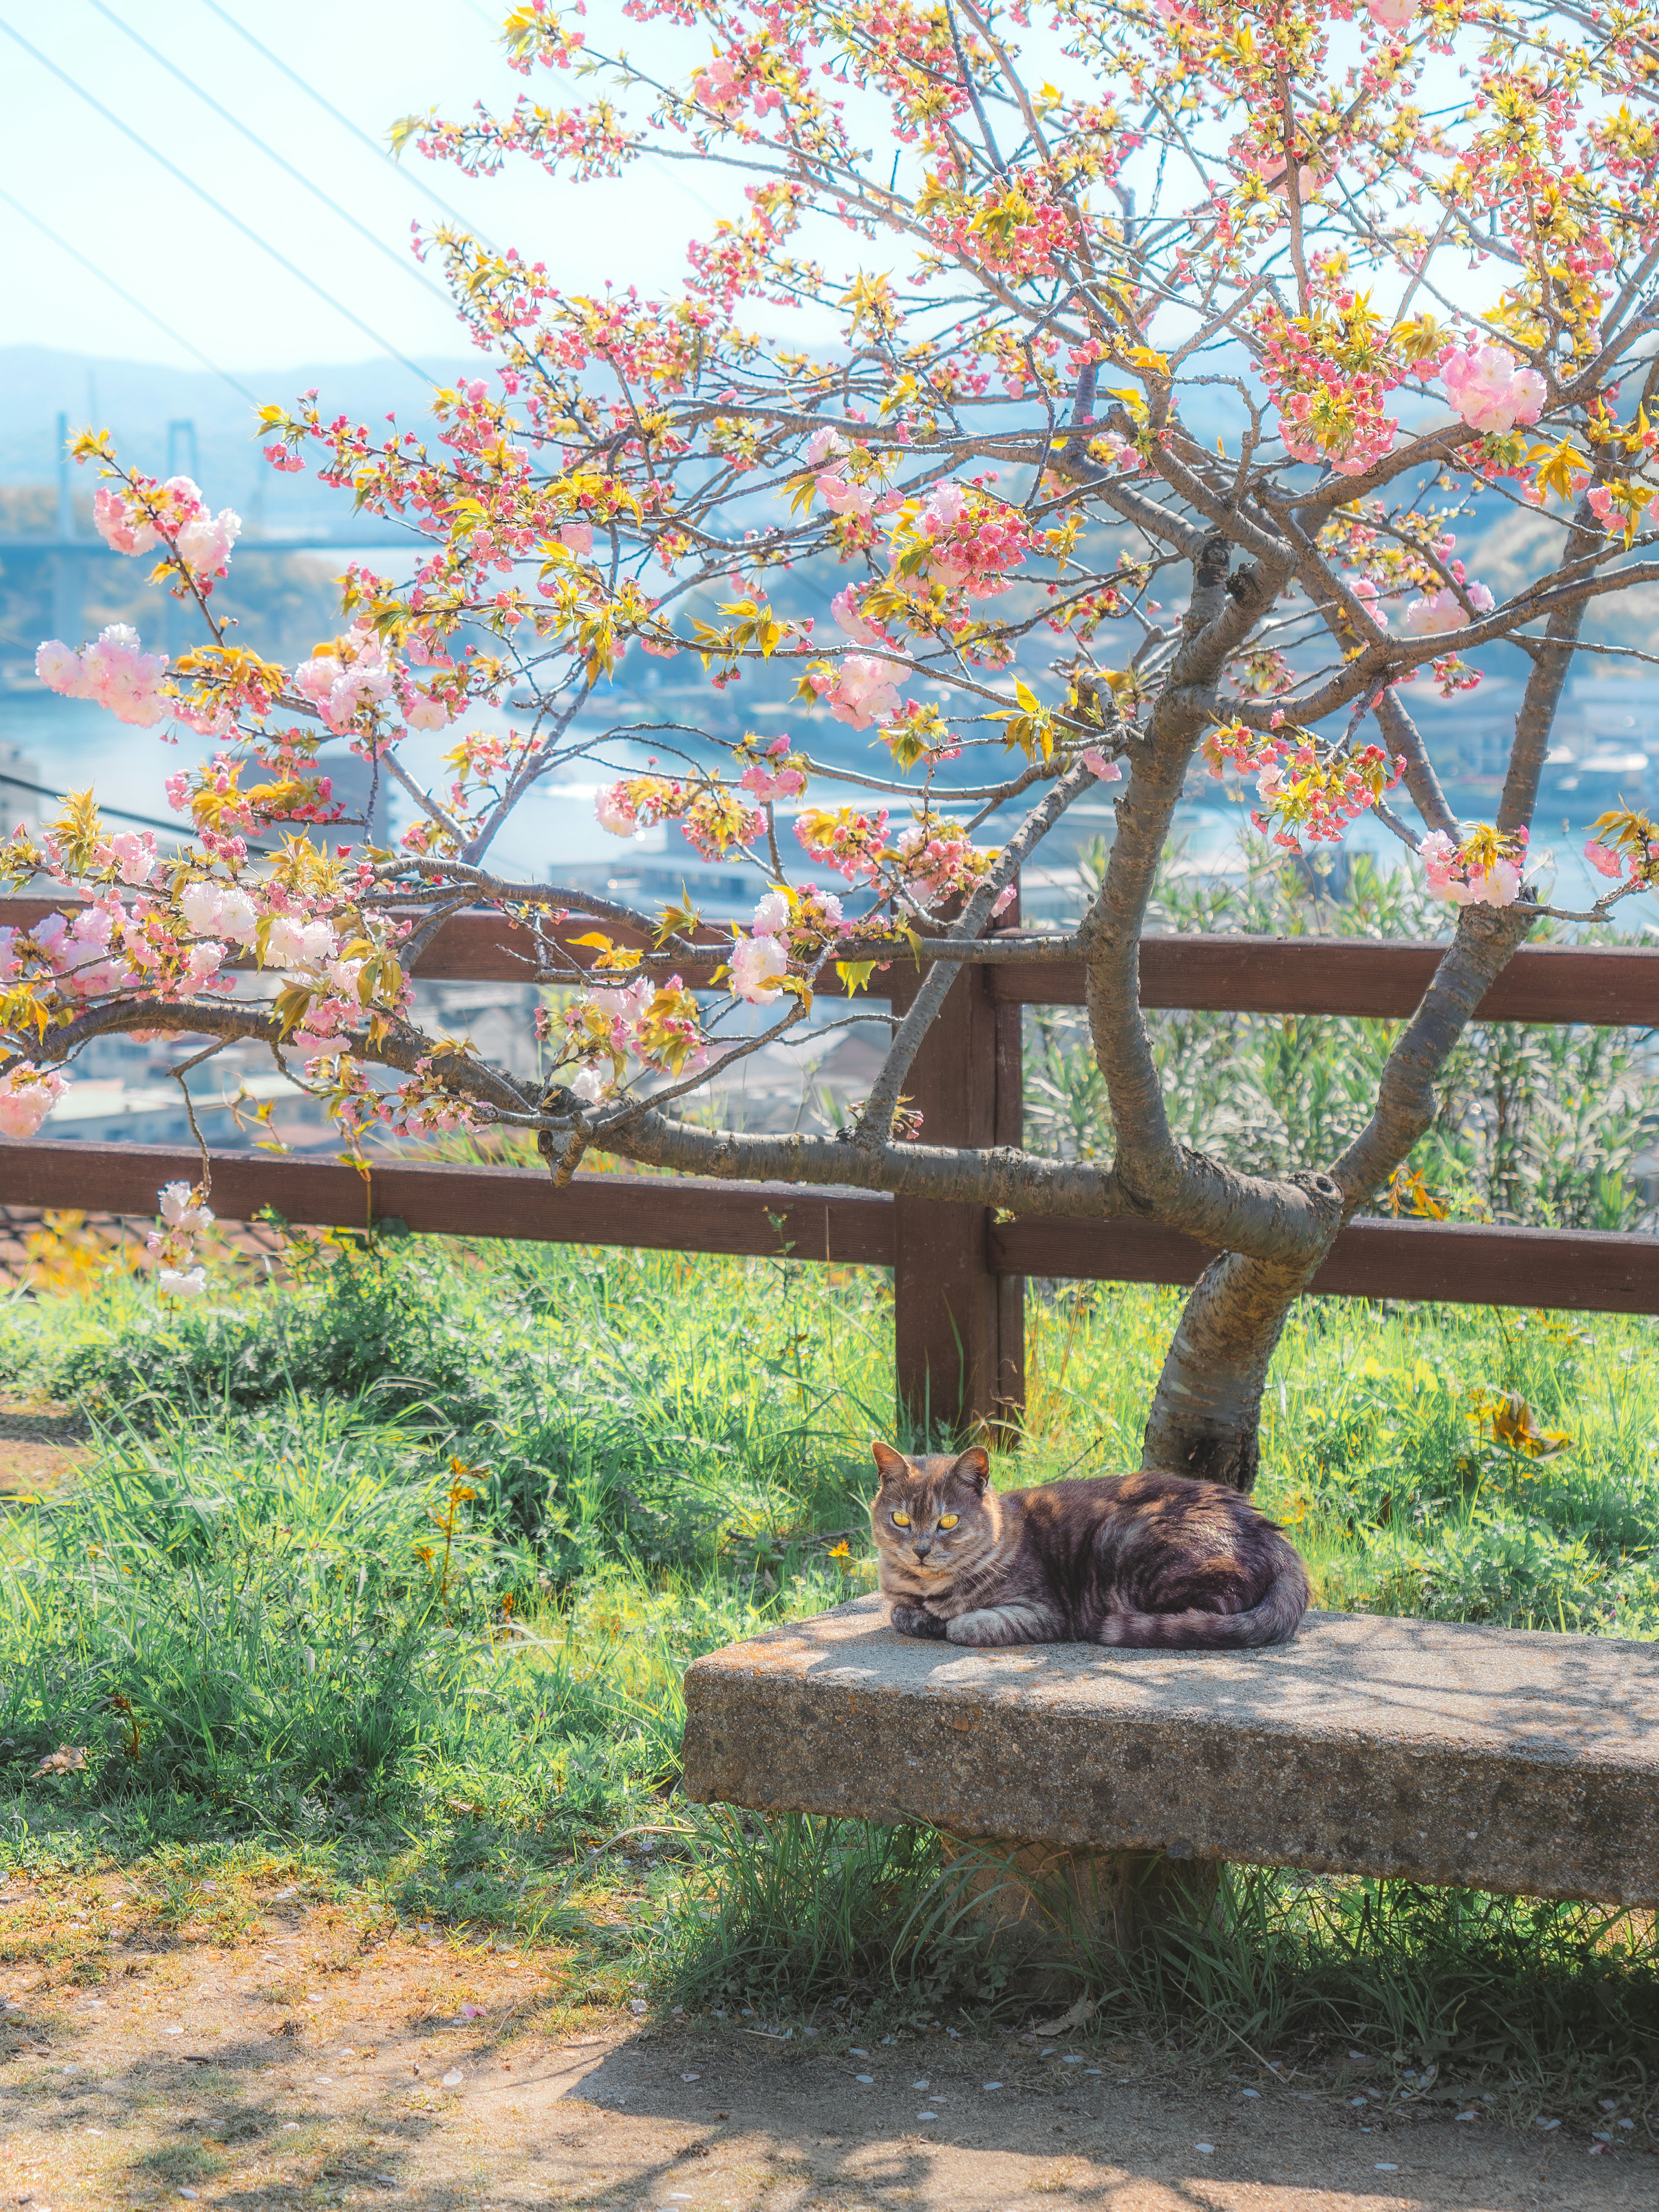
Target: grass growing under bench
385,1581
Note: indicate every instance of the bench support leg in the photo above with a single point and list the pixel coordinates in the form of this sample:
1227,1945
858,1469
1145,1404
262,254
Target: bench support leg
1052,1912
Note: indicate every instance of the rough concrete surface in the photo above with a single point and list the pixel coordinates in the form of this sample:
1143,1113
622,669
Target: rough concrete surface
1500,1759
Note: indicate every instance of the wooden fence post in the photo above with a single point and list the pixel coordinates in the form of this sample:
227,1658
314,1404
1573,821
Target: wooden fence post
959,1329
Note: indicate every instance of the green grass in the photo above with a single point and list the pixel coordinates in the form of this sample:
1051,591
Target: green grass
389,1578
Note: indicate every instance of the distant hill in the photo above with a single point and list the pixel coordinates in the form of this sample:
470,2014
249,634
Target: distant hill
137,399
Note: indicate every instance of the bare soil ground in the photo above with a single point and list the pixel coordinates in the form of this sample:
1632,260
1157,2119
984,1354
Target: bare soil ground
302,2055
41,1446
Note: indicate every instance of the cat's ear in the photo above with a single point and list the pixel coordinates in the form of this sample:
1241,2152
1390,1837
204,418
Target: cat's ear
893,1467
973,1467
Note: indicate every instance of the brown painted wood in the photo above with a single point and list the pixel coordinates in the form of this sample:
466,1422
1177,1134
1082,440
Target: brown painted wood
666,1214
1602,985
1464,1264
1354,976
1008,1032
1583,1270
950,1365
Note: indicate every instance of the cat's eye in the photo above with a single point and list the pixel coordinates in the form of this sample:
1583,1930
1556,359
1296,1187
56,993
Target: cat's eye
948,1520
901,1520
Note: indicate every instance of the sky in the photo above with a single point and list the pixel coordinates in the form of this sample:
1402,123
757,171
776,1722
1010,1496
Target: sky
182,254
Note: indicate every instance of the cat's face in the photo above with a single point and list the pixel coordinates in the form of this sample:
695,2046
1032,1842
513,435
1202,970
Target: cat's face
932,1517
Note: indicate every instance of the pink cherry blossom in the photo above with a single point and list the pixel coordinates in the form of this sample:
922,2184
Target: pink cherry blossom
719,85
845,608
1602,858
1097,765
58,667
175,1202
181,1282
1452,876
771,916
845,498
341,679
133,854
613,810
756,963
238,915
292,943
861,691
202,903
825,444
1269,161
425,713
1366,593
1392,14
28,1095
204,542
578,537
115,672
122,529
1443,611
1490,390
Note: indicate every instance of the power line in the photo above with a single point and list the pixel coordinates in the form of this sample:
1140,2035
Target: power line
345,121
218,206
121,293
121,813
398,260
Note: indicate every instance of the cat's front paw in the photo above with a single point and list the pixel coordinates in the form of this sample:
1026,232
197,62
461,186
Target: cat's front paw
916,1621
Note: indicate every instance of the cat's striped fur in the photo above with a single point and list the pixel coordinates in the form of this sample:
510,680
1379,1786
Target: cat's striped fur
1144,1560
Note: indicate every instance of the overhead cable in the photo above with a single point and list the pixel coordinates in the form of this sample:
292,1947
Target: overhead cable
400,261
345,122
218,206
122,293
121,813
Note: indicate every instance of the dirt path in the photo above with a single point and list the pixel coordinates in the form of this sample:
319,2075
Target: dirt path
307,2063
41,1446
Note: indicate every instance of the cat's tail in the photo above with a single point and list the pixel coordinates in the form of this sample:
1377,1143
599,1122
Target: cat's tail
1274,1620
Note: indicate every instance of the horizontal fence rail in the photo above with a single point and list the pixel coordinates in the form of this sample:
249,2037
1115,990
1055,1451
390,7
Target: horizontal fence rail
958,1271
1603,987
1462,1263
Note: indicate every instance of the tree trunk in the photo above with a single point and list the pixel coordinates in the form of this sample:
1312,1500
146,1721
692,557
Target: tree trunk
1206,1411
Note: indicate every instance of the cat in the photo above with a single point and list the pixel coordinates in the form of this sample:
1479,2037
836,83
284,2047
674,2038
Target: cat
1142,1559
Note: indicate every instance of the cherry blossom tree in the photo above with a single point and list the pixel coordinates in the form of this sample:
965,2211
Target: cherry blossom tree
1116,376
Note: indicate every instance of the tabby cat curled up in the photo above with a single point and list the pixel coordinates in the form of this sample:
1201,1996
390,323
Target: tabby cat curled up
1144,1560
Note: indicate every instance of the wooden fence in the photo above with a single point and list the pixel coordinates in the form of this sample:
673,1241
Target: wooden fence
957,1273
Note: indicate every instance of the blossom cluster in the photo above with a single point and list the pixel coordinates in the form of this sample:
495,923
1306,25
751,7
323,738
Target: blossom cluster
775,775
713,818
186,1217
355,672
660,1024
844,838
859,689
115,672
804,920
963,541
1625,844
142,514
1490,389
28,1095
1486,869
1304,791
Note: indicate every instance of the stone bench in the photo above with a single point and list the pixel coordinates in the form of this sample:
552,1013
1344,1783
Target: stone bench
1500,1759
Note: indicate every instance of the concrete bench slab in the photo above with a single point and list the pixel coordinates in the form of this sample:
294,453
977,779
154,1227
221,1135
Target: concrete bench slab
1500,1759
